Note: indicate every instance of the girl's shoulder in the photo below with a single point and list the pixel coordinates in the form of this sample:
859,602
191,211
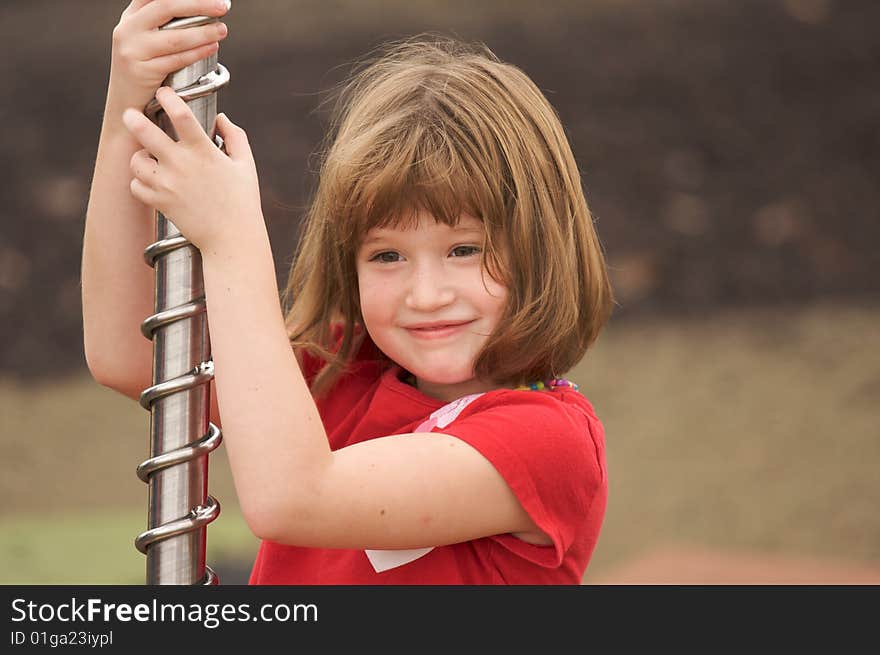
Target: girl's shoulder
543,403
543,440
561,418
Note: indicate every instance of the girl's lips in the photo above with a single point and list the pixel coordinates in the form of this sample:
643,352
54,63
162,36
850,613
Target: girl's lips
437,332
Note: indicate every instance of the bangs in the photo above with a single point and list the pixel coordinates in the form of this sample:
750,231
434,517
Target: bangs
413,165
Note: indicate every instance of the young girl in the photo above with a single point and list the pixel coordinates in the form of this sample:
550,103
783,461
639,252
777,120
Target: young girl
403,422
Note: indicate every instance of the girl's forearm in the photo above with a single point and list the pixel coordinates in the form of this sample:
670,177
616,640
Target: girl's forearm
272,430
117,285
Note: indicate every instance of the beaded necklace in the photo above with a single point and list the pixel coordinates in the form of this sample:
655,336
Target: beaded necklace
553,383
549,385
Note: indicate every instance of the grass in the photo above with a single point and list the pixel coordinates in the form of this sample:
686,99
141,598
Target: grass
748,431
70,502
97,547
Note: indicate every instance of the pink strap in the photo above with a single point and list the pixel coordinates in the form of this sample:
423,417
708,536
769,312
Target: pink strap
447,414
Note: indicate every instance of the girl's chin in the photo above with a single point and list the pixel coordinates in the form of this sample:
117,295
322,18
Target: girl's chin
439,372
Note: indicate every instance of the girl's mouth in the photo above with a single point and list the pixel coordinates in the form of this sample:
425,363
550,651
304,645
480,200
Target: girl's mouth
438,331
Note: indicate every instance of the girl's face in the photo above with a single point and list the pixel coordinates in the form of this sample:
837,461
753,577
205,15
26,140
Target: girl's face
427,303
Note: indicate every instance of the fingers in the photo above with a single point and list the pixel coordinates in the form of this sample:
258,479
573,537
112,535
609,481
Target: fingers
145,184
185,123
142,192
144,166
161,43
235,138
149,135
158,12
178,60
134,6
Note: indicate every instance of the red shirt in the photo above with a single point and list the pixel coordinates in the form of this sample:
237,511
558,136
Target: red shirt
548,445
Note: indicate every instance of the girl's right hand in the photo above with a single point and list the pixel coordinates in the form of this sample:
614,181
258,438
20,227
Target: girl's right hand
143,55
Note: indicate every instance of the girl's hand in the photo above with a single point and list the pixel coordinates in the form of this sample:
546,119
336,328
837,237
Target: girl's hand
210,196
143,55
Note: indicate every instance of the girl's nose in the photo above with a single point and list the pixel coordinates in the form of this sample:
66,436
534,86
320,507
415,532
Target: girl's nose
429,290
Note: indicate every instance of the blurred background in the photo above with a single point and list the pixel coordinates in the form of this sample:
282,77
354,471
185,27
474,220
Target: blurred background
730,153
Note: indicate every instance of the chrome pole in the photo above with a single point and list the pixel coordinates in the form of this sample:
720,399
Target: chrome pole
181,435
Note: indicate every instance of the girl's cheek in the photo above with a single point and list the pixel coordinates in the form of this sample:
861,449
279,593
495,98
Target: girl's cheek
372,295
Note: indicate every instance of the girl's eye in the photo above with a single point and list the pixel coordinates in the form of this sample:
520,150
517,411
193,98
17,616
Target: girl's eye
388,257
466,251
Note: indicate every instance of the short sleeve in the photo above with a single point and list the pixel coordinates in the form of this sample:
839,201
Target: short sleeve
552,455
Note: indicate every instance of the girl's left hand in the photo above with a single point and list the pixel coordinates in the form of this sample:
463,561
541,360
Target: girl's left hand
210,196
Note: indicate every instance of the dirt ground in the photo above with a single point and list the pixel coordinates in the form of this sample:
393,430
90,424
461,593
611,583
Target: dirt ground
735,443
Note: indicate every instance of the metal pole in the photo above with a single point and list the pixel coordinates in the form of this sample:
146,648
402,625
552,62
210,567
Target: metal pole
181,435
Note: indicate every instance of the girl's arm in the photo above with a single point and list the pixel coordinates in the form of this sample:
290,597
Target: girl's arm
117,286
401,491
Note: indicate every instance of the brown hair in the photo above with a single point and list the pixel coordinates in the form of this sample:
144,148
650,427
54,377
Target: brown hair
434,123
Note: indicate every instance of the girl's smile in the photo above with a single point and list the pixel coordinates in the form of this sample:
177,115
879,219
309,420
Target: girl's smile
428,303
437,330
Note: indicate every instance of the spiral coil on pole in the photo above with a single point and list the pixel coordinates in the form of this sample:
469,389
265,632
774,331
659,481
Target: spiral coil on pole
181,435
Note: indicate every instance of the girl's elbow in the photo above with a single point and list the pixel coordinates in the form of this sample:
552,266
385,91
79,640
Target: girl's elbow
101,373
279,522
258,522
263,519
99,364
114,379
